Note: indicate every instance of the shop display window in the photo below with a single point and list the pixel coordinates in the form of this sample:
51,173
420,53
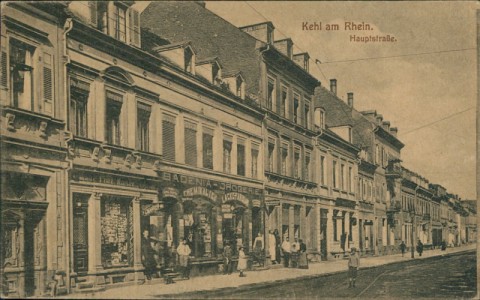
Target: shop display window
233,226
198,221
117,232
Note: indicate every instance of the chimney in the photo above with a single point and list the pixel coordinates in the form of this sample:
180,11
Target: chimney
394,131
350,99
386,126
302,59
262,31
285,46
333,86
379,120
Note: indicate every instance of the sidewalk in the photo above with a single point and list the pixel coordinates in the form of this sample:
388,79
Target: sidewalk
213,282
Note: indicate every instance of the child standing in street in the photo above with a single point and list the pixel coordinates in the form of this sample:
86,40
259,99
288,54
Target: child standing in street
353,264
242,261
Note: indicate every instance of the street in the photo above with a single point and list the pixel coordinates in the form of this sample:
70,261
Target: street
449,276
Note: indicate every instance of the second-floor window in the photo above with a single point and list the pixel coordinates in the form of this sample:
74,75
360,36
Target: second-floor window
284,102
322,170
350,180
207,144
334,174
79,92
296,105
296,164
241,159
168,137
21,74
254,162
270,93
190,144
227,156
271,160
307,115
284,159
307,167
143,124
113,110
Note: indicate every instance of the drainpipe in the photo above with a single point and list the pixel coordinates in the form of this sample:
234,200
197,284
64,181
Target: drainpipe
68,215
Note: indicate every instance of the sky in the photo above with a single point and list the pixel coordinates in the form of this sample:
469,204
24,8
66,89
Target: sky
430,98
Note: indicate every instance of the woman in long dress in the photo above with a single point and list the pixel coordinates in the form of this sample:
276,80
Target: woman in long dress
302,260
272,247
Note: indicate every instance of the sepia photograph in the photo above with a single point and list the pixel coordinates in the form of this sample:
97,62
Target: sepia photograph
239,149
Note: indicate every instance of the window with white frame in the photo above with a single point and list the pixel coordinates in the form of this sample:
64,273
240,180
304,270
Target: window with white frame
296,107
21,74
79,91
284,102
297,169
322,172
271,155
284,159
114,102
143,125
270,93
255,151
120,23
334,174
227,154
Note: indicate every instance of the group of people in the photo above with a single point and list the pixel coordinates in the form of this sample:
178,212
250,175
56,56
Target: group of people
150,263
294,254
228,262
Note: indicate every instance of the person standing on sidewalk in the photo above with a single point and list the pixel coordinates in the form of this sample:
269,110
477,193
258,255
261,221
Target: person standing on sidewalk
419,248
278,245
183,252
303,261
272,247
227,258
402,248
242,261
148,258
286,248
353,264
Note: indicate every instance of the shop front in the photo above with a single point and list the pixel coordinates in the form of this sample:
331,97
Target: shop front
207,213
106,240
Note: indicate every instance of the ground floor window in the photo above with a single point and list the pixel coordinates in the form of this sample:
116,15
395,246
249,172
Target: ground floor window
199,225
117,232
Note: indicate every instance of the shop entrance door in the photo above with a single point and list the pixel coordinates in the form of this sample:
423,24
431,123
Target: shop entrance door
80,238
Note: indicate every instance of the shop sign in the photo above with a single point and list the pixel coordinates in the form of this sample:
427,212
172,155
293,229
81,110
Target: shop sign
200,191
170,192
80,176
209,184
226,208
272,202
150,209
256,203
236,197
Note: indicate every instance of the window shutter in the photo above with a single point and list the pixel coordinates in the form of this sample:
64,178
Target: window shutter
93,12
190,144
48,83
134,27
3,80
168,139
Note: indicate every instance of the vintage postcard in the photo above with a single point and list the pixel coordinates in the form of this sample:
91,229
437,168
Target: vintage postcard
238,150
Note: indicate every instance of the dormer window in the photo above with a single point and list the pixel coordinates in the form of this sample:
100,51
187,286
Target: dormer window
116,19
239,87
320,118
119,23
188,67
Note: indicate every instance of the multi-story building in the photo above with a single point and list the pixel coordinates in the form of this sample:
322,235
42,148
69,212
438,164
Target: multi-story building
34,169
379,146
280,83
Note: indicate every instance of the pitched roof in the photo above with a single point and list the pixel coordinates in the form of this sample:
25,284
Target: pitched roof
210,35
338,113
